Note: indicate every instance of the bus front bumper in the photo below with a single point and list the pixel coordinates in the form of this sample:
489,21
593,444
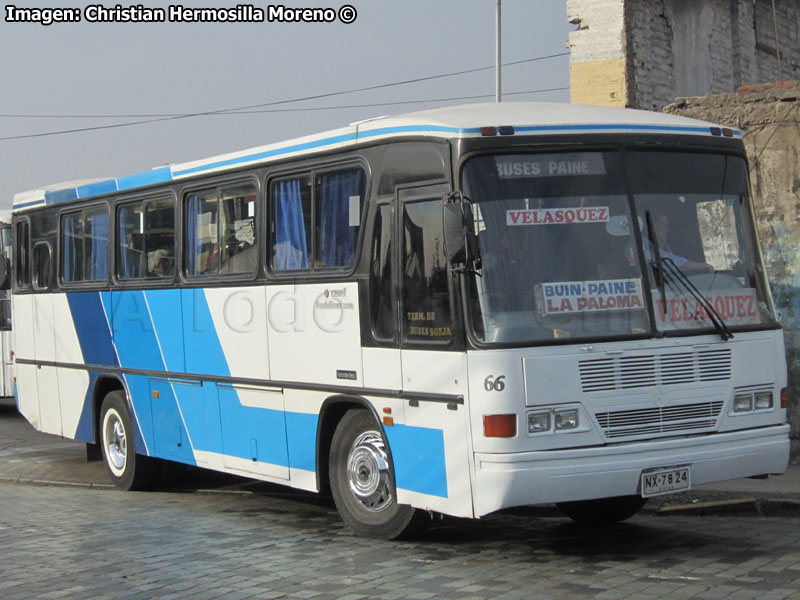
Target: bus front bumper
520,479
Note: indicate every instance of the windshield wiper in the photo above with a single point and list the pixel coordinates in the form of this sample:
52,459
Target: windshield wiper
668,265
657,251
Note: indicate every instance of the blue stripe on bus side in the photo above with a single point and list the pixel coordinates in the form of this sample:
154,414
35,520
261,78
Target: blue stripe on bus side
144,331
167,315
348,137
85,430
146,178
139,347
301,439
57,196
419,461
95,189
90,315
94,337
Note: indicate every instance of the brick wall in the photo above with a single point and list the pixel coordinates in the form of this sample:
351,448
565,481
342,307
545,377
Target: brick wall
645,53
769,116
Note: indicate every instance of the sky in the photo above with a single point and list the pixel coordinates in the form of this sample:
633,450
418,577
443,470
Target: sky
69,76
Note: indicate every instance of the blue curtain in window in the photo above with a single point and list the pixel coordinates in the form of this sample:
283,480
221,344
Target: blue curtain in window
291,247
127,267
337,239
70,254
191,232
99,257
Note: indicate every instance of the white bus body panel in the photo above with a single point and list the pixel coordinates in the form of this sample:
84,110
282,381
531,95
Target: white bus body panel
314,333
676,410
45,350
505,480
72,383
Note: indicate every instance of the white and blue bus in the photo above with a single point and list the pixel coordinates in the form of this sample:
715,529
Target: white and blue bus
451,311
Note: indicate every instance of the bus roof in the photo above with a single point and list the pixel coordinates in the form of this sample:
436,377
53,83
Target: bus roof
526,118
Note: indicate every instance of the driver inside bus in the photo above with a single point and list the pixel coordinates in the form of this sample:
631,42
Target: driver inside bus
661,232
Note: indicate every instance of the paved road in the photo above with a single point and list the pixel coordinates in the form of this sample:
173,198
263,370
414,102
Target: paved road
96,542
82,543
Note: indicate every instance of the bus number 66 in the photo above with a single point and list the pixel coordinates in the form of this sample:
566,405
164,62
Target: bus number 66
497,385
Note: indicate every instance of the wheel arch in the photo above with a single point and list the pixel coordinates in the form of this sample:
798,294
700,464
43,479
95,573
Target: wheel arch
104,385
331,413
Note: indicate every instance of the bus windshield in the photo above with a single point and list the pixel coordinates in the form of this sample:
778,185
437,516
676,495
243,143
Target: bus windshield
557,239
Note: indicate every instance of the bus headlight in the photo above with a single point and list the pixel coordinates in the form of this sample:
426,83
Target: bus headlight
743,403
566,419
538,422
763,400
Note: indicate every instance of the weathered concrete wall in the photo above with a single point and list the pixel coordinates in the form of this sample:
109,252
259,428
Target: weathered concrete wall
598,61
645,53
769,116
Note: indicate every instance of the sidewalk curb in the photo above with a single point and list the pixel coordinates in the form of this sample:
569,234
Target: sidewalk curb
763,507
53,483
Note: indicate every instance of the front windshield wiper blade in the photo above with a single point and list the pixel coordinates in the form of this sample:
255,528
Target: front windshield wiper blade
668,265
657,251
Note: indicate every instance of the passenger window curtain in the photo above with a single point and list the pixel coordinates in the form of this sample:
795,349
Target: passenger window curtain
127,251
193,245
291,246
98,268
337,236
191,234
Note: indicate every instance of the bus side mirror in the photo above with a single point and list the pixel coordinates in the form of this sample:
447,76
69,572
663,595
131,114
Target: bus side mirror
5,273
460,243
455,242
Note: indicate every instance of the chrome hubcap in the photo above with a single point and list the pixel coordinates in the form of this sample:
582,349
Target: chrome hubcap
368,472
116,444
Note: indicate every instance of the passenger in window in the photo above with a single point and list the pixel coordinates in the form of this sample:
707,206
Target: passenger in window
161,263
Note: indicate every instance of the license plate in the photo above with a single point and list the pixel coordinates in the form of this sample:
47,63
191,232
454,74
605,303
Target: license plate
656,482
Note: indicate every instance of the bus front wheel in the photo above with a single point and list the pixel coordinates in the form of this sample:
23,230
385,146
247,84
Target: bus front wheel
603,510
362,481
128,470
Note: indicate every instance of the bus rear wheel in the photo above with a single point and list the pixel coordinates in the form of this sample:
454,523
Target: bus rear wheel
362,481
128,470
603,510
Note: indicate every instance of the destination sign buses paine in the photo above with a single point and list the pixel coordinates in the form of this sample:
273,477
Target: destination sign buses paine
451,311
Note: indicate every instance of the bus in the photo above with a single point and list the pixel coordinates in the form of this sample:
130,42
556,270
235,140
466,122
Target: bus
452,311
6,348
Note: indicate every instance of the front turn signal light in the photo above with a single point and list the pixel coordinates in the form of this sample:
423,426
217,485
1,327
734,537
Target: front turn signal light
784,397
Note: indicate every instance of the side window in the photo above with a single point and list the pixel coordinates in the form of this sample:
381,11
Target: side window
84,245
41,266
72,248
221,231
238,249
146,238
426,296
338,198
380,275
316,228
23,273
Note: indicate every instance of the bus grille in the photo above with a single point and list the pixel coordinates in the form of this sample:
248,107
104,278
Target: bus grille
627,372
655,421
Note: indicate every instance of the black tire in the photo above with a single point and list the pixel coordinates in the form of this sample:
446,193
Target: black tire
603,510
362,481
128,470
